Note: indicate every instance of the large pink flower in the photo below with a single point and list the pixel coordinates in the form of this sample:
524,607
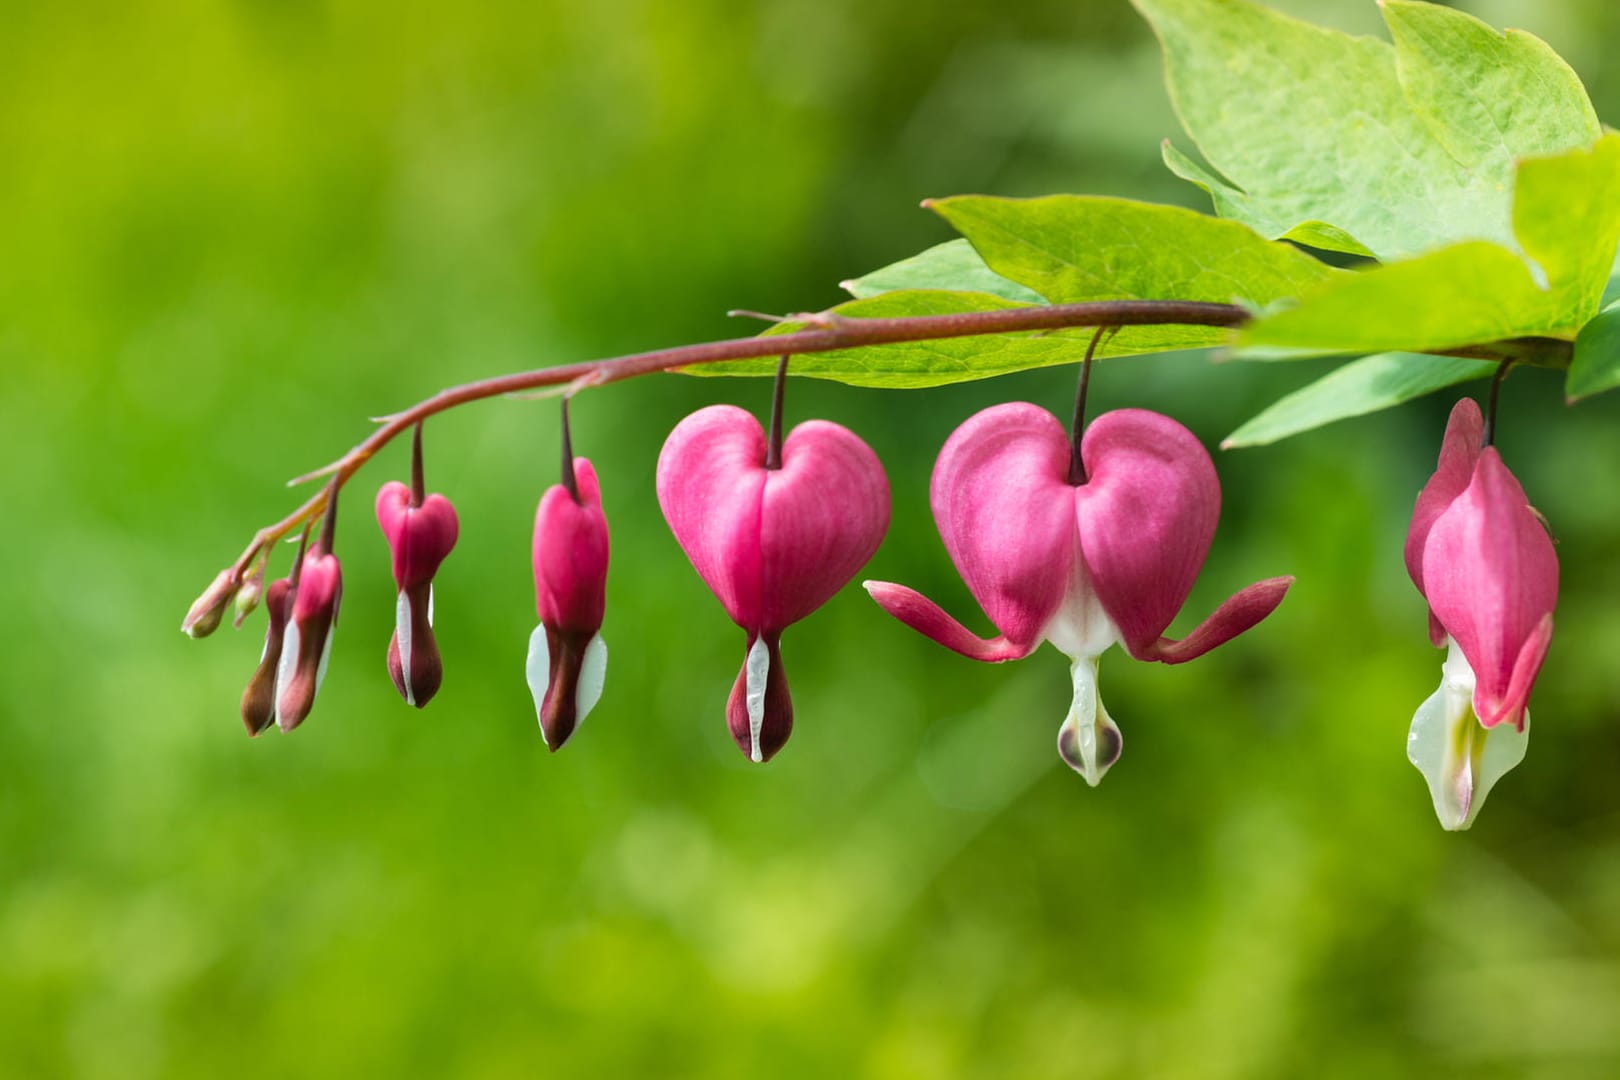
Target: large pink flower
1482,559
772,544
1084,565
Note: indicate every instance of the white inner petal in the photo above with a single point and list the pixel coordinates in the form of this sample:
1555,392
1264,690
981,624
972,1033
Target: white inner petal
756,669
1459,758
1088,741
402,634
592,673
538,670
285,666
326,646
1080,627
430,606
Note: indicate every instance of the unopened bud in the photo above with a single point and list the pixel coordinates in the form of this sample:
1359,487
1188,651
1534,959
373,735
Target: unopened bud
209,608
248,596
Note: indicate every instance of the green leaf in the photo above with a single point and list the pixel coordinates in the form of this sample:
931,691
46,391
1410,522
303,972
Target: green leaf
1566,214
1354,144
910,365
1596,363
1355,389
951,265
1073,248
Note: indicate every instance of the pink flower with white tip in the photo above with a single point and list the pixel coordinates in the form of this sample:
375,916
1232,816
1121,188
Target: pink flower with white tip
421,530
1482,559
567,658
1085,564
773,534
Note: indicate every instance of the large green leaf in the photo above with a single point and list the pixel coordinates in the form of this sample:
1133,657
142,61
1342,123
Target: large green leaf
1566,216
909,365
1073,248
1354,144
1355,389
951,265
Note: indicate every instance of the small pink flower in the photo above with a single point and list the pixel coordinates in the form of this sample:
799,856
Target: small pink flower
1484,563
1083,566
420,532
772,544
567,659
315,589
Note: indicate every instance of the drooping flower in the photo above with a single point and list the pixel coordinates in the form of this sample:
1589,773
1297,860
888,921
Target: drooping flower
315,589
567,659
1110,559
259,698
1483,561
772,543
421,530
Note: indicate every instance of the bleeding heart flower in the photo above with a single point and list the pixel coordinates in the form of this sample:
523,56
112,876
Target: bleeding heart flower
1110,559
772,543
316,587
420,531
1482,559
567,660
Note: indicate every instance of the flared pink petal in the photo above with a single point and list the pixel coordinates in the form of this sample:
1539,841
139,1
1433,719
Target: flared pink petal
930,620
1511,707
1005,510
711,483
1452,474
1238,613
823,514
570,555
1146,515
1491,577
419,537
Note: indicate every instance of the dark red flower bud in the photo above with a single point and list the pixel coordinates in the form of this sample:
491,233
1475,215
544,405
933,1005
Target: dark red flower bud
259,699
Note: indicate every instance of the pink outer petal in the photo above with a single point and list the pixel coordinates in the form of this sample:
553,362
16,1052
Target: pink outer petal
570,555
1491,578
1458,452
1241,611
1146,515
1005,511
318,585
711,483
772,545
419,538
927,618
824,513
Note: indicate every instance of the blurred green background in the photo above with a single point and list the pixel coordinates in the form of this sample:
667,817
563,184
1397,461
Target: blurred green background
234,230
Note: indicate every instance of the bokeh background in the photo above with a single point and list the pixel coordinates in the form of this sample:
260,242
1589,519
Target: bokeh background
234,230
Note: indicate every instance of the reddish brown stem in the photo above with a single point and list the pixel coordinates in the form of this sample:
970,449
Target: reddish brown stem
822,333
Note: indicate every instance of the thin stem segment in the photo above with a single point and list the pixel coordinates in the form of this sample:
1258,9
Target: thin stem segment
1077,425
1489,437
569,484
773,446
418,483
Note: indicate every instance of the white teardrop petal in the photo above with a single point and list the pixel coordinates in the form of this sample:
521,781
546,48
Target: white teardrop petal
756,669
538,670
402,635
592,673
